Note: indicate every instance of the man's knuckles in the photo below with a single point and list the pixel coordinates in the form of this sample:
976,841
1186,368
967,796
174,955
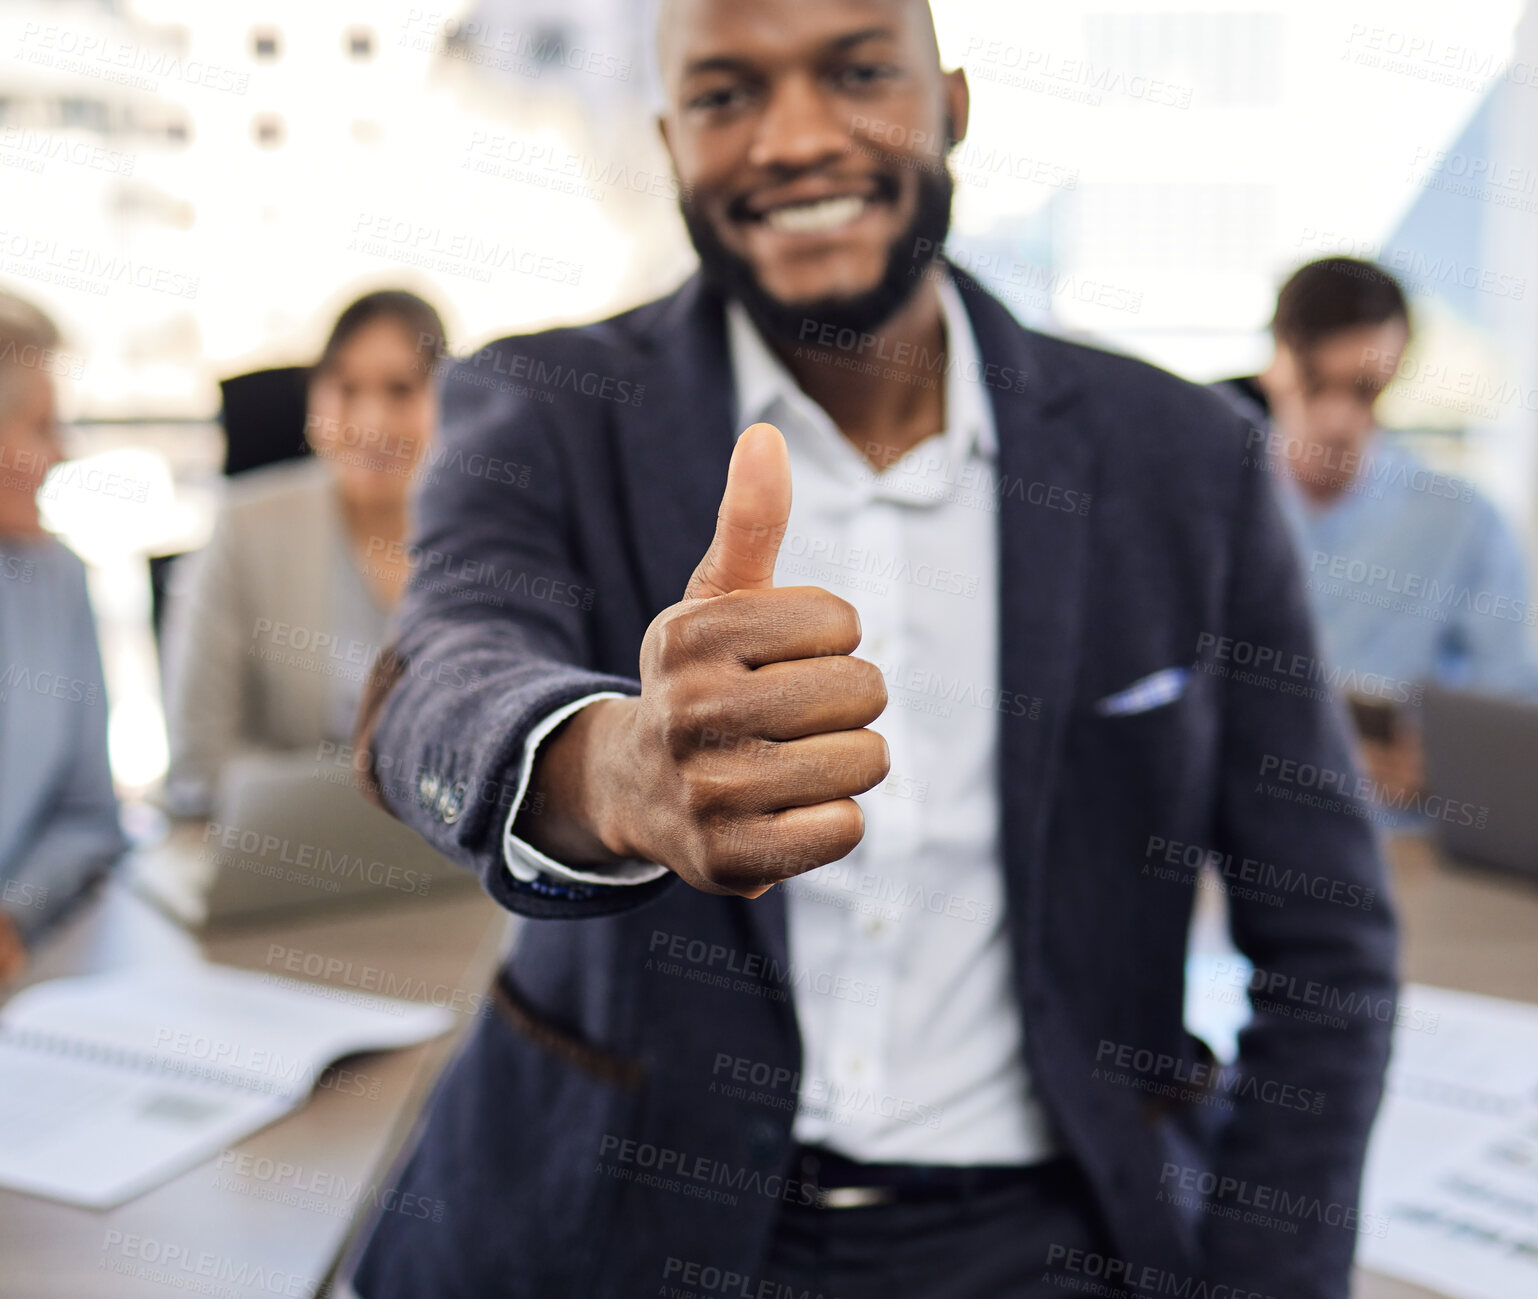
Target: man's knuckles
735,770
862,685
840,830
684,635
828,623
709,708
801,622
836,765
874,761
748,853
811,837
694,716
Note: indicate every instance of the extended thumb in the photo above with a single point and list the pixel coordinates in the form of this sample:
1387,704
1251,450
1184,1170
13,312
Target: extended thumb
755,509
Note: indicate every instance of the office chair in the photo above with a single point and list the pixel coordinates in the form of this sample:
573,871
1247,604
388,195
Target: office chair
263,418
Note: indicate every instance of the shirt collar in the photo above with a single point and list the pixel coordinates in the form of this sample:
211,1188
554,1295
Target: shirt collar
761,379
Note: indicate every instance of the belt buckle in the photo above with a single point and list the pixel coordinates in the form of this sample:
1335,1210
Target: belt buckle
854,1197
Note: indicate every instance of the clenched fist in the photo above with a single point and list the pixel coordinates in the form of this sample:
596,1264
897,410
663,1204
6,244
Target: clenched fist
737,764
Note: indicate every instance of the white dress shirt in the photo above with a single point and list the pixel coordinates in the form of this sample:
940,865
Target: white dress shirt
900,955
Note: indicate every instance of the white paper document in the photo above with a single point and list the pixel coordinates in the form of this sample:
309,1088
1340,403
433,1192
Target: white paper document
113,1083
1453,1166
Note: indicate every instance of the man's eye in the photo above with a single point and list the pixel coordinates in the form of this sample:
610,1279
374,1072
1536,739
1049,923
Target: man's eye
862,76
713,101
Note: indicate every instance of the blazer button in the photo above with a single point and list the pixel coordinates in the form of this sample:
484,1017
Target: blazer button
763,1141
451,802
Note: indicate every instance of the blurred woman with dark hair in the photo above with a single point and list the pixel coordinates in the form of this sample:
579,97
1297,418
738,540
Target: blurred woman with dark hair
273,625
58,816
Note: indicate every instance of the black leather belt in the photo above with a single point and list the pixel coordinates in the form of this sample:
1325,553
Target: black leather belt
842,1183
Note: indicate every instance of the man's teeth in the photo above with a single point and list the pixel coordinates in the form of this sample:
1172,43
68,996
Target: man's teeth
816,218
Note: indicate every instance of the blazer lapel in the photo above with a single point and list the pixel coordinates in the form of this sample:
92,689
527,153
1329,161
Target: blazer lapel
673,451
1043,554
674,447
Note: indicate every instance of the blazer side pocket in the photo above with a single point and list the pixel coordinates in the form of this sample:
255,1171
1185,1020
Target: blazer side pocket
606,1066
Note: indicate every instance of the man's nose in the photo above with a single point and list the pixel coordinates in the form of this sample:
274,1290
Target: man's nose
799,128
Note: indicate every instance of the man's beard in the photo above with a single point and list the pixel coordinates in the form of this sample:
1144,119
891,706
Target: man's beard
908,258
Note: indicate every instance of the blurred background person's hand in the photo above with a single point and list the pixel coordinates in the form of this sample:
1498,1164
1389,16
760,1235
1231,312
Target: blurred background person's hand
1397,766
13,952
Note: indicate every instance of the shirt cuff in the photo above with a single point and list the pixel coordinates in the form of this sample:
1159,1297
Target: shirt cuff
525,861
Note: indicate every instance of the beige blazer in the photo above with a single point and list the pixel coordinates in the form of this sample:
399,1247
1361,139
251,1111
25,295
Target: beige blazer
270,631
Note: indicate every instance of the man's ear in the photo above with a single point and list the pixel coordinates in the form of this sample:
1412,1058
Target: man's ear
1282,372
958,104
667,142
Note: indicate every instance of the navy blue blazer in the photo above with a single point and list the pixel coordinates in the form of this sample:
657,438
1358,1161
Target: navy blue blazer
577,1143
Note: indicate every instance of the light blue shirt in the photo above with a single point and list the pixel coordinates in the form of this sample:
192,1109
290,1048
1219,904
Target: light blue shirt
1413,577
58,816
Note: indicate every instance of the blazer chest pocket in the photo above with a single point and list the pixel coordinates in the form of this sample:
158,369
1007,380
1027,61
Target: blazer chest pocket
1157,690
1149,731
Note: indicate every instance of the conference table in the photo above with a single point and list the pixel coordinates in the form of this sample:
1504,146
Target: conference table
277,1210
1472,931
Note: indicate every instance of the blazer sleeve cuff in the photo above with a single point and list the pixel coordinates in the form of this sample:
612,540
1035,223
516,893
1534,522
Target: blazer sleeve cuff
525,861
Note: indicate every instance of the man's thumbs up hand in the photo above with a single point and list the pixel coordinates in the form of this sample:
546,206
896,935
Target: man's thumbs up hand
737,765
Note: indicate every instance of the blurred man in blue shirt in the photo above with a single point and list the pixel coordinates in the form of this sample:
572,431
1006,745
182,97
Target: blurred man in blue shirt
1412,574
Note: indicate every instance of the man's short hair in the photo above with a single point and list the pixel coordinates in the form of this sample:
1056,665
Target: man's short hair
29,340
1338,293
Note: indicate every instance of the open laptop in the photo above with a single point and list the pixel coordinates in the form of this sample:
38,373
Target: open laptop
289,835
1482,761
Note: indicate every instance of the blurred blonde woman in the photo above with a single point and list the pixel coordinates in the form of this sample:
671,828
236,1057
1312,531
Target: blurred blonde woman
273,625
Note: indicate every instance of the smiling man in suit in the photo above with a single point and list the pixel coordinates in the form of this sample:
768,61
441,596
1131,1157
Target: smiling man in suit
858,774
